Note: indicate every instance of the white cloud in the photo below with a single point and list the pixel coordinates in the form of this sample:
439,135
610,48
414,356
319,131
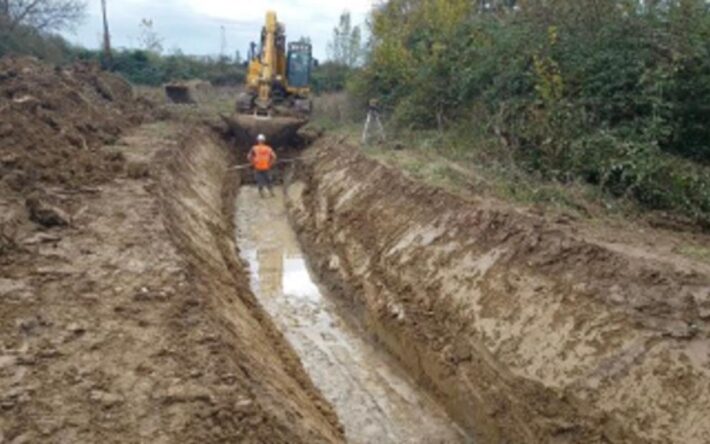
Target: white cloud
195,25
313,18
300,11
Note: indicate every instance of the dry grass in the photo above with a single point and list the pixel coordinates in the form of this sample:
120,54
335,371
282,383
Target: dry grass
216,100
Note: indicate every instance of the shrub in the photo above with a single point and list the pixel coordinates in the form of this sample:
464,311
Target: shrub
607,91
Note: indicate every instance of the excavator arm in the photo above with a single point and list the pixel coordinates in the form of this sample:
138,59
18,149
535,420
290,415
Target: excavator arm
269,62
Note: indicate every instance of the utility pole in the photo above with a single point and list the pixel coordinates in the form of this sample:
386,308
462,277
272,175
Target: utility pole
223,44
108,58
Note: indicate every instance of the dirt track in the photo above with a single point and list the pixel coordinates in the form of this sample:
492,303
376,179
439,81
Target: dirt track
527,331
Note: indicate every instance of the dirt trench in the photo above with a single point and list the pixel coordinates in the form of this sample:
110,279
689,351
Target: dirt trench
134,322
127,315
375,399
524,329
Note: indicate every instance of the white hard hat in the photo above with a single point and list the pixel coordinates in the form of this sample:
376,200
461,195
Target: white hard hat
261,138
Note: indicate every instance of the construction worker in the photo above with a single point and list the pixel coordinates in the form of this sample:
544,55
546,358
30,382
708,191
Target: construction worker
262,158
373,118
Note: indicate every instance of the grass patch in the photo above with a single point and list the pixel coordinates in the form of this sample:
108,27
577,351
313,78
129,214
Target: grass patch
471,165
696,252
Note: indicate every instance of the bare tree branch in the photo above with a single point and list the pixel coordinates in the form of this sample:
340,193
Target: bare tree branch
43,15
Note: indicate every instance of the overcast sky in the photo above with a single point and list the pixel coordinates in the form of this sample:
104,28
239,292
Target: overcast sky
194,26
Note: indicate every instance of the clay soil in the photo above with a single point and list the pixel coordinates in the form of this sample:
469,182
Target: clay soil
125,315
528,328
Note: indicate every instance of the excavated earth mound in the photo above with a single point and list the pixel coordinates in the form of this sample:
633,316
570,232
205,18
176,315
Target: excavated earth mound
54,119
53,122
525,328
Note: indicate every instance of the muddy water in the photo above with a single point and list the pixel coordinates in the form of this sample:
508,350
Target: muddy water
375,400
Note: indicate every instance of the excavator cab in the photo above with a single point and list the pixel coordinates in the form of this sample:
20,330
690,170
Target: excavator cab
300,59
298,74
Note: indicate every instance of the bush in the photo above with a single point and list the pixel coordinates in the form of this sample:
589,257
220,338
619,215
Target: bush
330,77
138,66
149,68
27,41
606,91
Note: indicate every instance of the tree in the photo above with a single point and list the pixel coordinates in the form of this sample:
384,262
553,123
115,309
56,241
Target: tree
42,15
148,38
346,46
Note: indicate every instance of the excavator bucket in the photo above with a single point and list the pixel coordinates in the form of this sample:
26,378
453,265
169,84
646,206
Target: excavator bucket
279,131
179,93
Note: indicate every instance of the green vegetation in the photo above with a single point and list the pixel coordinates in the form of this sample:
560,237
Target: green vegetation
144,67
330,77
614,93
25,40
345,54
140,66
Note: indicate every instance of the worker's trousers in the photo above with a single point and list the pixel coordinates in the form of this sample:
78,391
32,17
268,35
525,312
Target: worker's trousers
373,118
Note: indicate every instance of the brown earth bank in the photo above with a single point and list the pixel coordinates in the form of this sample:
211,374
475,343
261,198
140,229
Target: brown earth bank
525,328
135,322
53,123
124,313
52,120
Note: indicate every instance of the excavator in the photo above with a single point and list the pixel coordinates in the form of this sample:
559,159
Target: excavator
276,99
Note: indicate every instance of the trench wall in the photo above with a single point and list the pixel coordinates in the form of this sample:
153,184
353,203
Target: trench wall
282,404
526,332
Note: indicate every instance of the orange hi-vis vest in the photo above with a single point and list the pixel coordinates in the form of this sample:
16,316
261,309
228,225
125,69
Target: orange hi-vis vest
262,157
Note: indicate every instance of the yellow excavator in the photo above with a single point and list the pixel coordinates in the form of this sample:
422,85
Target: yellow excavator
276,100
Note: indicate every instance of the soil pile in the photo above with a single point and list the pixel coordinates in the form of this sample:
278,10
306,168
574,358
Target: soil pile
528,329
53,122
54,119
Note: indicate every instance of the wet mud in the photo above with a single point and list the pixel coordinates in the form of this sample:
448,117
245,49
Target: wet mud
525,329
376,401
127,315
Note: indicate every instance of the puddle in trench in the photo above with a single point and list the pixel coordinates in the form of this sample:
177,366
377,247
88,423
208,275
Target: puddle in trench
375,400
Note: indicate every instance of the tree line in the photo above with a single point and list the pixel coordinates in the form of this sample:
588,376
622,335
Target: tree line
612,92
27,27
